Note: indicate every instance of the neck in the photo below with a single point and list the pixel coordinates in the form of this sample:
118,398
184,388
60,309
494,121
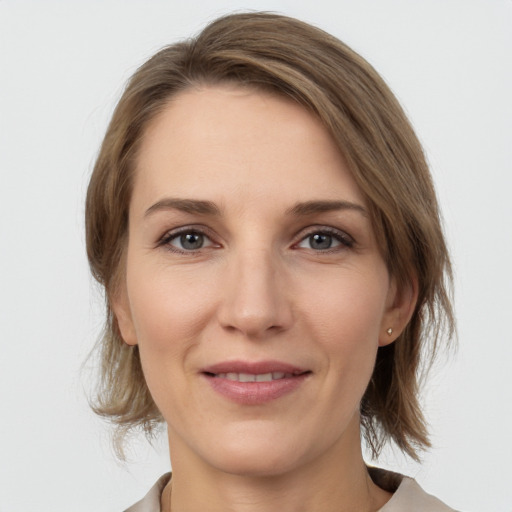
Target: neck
336,481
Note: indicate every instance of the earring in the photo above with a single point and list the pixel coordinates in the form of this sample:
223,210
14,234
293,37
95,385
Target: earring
390,331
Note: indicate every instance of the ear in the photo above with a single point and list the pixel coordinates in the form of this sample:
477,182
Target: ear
123,315
400,307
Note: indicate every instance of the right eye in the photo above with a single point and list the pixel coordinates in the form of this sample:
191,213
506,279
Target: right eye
186,241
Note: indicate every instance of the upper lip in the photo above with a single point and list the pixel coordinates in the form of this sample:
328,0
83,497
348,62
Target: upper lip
254,368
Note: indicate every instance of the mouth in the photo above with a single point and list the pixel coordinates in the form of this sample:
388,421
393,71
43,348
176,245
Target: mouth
254,383
251,377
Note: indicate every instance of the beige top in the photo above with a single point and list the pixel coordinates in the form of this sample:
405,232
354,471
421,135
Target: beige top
408,496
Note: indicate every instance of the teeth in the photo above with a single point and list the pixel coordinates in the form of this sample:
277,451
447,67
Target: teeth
264,377
249,377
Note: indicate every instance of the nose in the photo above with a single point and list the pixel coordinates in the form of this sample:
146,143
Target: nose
255,300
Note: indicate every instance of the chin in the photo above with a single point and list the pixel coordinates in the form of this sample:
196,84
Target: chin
258,466
256,457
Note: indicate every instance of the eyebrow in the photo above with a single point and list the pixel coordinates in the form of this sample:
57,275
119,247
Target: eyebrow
184,205
312,207
210,208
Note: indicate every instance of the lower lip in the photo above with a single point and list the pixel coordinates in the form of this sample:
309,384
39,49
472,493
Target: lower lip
255,393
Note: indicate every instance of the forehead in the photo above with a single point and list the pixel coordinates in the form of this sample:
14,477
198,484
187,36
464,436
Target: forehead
219,140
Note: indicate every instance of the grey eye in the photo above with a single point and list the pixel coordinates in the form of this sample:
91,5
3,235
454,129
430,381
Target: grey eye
326,239
189,241
320,241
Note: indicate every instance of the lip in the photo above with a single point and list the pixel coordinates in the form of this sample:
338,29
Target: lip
254,393
253,367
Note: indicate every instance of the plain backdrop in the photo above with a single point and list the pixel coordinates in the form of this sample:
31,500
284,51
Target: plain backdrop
62,67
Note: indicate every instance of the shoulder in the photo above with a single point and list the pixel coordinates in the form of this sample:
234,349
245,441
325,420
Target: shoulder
410,496
151,502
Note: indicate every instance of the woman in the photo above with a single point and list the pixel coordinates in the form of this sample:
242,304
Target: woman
265,226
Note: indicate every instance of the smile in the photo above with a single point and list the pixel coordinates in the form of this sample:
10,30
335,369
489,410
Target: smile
260,377
247,383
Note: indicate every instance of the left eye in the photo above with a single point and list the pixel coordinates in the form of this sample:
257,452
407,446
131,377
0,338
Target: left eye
321,241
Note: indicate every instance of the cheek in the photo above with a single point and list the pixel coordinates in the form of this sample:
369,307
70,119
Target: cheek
346,321
348,309
168,308
169,313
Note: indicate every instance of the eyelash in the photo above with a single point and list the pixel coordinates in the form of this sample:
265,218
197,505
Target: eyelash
166,240
345,240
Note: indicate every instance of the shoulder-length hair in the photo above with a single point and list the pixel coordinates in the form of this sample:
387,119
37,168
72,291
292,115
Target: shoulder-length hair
290,58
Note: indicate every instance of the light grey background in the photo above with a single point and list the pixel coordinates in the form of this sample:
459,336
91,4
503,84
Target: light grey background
62,67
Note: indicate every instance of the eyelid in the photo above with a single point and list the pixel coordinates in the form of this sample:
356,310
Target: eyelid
171,234
346,240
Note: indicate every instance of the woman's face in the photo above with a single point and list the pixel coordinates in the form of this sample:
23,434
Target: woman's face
254,286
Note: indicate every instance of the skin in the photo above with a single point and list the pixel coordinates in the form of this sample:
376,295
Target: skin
258,288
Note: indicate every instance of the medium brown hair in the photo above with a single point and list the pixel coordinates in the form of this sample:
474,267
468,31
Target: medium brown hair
294,59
